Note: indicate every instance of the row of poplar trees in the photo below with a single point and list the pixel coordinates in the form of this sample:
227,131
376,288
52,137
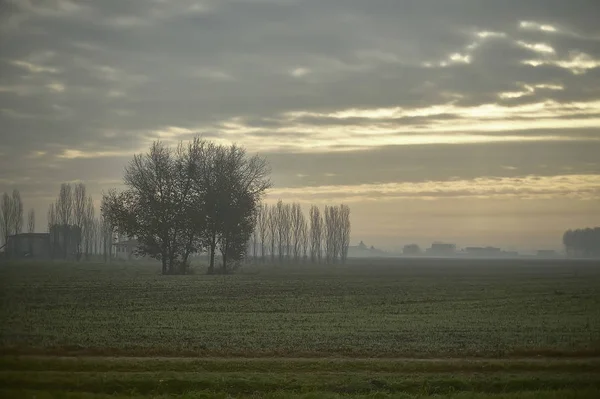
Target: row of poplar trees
284,234
11,216
75,230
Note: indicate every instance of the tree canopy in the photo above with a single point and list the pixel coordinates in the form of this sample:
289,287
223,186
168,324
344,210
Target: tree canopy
197,196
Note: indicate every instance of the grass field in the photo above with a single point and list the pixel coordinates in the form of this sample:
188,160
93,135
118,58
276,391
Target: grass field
468,329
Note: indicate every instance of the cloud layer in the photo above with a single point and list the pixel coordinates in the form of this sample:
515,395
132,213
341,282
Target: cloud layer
348,98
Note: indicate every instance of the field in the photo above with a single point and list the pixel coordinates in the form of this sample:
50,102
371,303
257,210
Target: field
375,328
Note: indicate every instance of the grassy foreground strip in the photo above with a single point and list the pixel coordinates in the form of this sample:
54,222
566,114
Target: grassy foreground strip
297,378
578,394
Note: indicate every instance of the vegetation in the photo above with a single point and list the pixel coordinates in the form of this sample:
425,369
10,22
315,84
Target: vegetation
297,378
582,242
403,328
392,308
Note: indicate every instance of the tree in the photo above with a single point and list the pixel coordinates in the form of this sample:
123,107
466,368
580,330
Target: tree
180,201
6,216
316,234
242,181
153,207
31,221
17,204
273,227
344,228
79,204
297,224
582,242
88,226
263,223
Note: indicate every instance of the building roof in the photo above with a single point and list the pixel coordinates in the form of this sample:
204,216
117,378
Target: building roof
30,235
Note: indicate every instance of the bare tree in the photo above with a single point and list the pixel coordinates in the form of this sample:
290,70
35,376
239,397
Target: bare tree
151,208
88,226
273,230
297,223
344,221
316,234
79,203
51,218
305,240
7,212
64,205
263,222
17,204
31,221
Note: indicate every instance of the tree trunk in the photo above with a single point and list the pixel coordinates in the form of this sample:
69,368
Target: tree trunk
211,265
164,264
213,248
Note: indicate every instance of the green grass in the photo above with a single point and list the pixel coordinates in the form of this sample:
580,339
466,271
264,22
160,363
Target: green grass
381,329
334,378
378,309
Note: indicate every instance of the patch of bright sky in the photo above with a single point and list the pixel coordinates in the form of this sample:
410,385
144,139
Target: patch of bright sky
576,186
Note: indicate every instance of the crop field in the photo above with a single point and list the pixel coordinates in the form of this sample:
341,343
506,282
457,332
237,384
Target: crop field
373,328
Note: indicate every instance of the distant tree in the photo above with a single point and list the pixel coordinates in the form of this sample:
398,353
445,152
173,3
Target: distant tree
79,204
305,240
344,229
31,221
263,223
17,204
316,234
273,229
7,216
582,242
88,227
297,224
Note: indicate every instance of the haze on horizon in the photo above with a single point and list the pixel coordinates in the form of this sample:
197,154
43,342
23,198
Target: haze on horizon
473,122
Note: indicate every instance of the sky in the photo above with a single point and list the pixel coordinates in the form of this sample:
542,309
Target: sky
475,122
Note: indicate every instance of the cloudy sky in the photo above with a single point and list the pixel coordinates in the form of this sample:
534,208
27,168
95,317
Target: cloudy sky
470,121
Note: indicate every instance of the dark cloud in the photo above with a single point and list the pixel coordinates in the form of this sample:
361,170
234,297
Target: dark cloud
99,80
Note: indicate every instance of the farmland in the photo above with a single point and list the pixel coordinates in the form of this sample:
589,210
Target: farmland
465,325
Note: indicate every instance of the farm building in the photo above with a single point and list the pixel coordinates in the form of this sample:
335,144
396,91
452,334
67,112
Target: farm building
28,245
125,250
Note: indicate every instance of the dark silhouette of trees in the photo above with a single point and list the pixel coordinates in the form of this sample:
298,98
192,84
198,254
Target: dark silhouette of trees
7,216
582,242
31,221
286,235
197,197
18,209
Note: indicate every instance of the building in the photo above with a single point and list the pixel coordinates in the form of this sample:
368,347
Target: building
411,249
441,249
28,246
126,249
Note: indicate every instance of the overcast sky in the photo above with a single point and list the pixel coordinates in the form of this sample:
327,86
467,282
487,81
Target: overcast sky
467,121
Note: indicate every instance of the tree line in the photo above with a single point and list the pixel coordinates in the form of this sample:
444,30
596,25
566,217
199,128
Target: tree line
283,233
11,216
196,197
75,231
582,242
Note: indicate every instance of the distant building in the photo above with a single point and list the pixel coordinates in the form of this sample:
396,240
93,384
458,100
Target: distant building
126,250
441,249
411,249
28,246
